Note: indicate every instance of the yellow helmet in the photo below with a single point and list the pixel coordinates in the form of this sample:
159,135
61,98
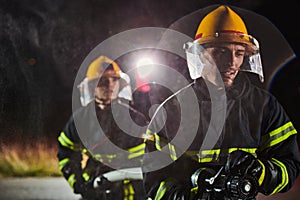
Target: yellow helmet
103,66
224,25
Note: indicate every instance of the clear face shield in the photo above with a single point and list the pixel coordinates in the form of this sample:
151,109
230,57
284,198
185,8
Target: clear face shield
87,89
200,63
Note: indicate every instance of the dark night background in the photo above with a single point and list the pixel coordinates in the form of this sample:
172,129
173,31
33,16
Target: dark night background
43,43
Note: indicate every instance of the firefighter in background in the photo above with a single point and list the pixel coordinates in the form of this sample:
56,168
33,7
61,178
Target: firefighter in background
105,87
255,150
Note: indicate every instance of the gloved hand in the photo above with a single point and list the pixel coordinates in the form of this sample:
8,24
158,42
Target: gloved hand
242,162
200,178
85,189
243,172
102,183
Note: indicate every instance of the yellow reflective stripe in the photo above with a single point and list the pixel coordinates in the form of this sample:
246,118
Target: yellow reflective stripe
128,190
278,135
209,152
194,190
204,160
98,157
163,187
249,150
263,173
160,140
137,148
71,180
281,129
213,154
65,141
171,147
137,154
105,158
282,138
126,181
285,177
85,176
203,156
136,151
161,191
157,141
63,163
110,156
172,151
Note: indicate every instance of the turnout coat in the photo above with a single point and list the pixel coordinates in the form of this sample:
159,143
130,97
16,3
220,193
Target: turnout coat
252,120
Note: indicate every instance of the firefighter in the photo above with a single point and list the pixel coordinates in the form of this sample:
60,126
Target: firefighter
88,141
246,147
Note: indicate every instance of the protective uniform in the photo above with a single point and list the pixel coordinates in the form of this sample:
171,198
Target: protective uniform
83,138
257,138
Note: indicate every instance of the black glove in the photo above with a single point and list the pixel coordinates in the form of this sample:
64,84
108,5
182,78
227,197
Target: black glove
241,162
102,183
200,178
79,188
85,189
243,172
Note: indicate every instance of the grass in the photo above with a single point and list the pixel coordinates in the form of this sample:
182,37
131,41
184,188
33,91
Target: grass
35,157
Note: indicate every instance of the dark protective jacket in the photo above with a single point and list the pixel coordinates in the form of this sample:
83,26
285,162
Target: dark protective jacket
110,138
254,122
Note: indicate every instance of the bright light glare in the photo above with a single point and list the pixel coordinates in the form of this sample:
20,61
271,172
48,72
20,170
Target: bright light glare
144,67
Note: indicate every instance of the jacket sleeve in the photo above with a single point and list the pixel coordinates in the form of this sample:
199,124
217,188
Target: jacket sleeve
69,154
278,151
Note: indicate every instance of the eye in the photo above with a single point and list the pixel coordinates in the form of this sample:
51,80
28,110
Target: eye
219,51
115,79
103,81
240,53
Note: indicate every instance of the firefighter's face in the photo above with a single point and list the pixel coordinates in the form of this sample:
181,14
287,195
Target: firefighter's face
107,89
228,57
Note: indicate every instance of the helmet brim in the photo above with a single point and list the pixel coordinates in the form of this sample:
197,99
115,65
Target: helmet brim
251,47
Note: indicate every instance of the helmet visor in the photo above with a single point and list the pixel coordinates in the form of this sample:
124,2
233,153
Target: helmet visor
195,64
87,91
253,64
201,64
